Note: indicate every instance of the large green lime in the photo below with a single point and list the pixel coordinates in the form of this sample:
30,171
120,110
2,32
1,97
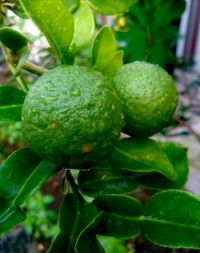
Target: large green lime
72,116
148,95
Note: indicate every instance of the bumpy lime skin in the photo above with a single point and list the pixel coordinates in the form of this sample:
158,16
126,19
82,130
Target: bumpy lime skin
149,98
72,116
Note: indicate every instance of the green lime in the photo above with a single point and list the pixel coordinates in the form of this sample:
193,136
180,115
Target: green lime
149,97
72,116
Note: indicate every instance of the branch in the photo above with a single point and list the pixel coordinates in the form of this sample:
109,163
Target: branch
182,123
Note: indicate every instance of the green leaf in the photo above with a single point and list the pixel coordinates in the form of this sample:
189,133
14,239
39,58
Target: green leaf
177,155
10,219
103,48
21,174
104,179
74,216
37,178
56,22
87,241
142,155
11,100
72,5
84,27
12,39
121,216
115,63
173,220
110,7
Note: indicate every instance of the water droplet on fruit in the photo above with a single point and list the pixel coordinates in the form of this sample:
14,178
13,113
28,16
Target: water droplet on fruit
49,100
76,93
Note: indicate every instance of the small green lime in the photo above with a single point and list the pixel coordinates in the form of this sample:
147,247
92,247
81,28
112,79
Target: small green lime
149,97
72,116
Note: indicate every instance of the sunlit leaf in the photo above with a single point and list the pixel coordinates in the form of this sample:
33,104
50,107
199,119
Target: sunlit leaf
56,22
84,26
72,5
110,7
104,48
115,63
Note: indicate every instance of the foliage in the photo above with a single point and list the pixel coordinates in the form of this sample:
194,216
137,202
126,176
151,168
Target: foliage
149,31
40,221
168,218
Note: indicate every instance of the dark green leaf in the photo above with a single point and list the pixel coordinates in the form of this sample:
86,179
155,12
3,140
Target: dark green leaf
87,241
21,174
73,218
103,48
110,7
142,155
173,220
37,178
115,63
72,5
56,22
104,179
84,26
12,39
15,170
177,155
10,95
10,219
121,213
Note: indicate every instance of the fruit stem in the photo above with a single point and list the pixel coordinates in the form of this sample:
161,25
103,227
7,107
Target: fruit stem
33,68
74,186
19,78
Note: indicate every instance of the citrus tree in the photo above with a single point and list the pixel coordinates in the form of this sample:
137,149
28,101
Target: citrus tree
72,117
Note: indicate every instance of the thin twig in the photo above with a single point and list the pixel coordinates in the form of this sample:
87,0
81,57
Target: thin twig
19,77
182,123
33,68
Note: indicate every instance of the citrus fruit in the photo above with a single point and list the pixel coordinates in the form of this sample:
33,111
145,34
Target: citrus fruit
149,98
72,116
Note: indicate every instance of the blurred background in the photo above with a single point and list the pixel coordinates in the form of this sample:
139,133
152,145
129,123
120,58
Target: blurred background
158,31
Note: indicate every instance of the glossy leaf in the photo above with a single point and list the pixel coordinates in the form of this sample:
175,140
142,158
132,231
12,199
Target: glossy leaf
87,241
110,7
173,219
177,155
11,100
103,48
56,22
74,216
12,39
121,213
106,179
21,174
84,26
10,219
115,63
142,155
72,5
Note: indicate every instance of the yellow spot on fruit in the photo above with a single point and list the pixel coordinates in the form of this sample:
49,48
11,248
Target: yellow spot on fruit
86,149
54,126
